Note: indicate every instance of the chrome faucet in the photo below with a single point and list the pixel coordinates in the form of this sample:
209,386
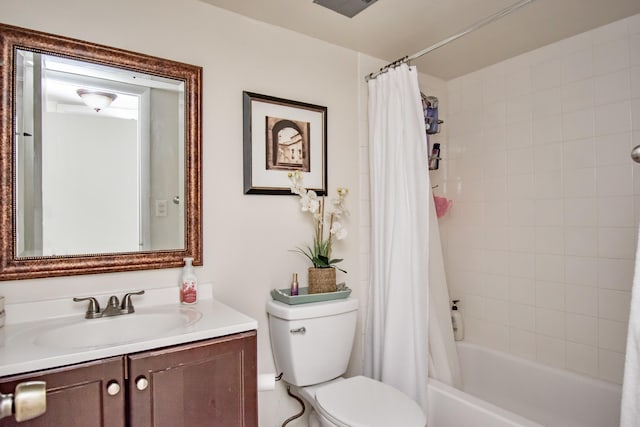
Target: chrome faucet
114,307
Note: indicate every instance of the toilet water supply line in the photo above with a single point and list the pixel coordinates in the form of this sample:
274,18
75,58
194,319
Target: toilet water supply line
267,382
297,415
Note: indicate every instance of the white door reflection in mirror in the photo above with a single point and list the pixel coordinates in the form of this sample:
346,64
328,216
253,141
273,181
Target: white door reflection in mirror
90,177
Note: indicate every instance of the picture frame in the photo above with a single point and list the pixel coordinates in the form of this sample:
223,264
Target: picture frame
281,136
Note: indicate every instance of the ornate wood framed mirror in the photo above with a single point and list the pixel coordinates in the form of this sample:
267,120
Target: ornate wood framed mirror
100,156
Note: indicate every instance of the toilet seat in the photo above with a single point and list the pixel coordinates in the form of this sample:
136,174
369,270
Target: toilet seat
363,402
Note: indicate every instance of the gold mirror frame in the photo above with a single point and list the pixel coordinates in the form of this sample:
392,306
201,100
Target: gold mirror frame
13,267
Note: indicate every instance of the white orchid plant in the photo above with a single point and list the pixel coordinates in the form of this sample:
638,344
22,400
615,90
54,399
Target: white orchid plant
327,222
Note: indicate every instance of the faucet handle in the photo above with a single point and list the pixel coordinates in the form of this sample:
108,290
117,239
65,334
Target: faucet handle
93,310
127,305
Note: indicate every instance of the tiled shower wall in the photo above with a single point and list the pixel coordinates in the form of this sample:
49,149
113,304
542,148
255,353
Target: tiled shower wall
540,241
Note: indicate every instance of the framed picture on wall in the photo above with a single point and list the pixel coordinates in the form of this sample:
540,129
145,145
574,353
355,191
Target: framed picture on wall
283,136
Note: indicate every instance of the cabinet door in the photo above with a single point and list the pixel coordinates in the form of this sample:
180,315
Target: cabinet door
206,383
76,395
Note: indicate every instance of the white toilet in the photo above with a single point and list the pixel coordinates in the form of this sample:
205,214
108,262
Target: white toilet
311,345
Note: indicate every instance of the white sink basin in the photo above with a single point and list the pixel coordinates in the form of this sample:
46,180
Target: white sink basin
108,331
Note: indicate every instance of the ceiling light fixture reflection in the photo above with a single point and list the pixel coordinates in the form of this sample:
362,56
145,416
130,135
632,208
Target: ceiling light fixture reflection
96,100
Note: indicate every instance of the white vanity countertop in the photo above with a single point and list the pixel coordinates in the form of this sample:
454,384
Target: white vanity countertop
56,340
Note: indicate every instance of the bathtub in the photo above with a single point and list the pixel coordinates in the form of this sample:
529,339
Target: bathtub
503,390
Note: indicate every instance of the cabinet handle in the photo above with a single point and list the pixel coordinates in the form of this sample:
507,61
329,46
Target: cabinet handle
113,388
28,401
142,383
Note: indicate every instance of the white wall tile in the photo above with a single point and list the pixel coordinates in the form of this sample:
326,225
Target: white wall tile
547,200
615,274
549,240
579,154
614,31
548,157
615,211
518,81
581,270
521,290
611,56
549,267
546,75
581,300
577,43
521,264
496,286
577,95
614,305
581,241
522,343
550,295
579,182
521,212
582,358
635,114
520,161
521,239
496,213
633,24
550,351
474,306
546,102
547,128
519,134
497,337
613,149
612,335
611,366
580,212
615,180
582,329
497,311
578,65
550,323
548,185
612,87
519,109
520,187
616,242
578,124
496,260
613,118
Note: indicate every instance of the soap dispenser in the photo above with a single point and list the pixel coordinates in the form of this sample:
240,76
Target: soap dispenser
456,321
188,283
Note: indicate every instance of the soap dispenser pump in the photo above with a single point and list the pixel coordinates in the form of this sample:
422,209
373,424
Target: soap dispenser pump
456,321
188,283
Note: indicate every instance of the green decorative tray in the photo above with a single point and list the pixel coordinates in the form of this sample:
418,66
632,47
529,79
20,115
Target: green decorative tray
303,297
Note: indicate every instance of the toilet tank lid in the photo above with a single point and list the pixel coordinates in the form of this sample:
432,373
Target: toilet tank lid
311,310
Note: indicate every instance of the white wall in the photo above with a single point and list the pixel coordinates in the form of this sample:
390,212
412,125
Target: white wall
246,253
541,238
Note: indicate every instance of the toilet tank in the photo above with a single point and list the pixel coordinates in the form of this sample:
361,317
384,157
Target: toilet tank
312,343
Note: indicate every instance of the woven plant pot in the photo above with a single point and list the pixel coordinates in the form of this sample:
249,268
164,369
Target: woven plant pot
322,280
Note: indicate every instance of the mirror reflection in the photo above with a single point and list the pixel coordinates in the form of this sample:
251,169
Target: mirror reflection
99,158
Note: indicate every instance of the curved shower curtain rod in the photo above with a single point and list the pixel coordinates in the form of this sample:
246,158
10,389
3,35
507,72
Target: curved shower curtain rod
504,12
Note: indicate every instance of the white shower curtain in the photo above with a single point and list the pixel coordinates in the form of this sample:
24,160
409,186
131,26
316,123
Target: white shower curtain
630,405
396,348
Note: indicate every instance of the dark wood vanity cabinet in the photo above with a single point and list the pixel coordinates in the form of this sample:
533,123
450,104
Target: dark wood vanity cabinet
207,383
76,395
204,383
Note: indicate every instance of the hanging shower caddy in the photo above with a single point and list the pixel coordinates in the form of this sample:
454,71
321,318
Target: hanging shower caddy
432,126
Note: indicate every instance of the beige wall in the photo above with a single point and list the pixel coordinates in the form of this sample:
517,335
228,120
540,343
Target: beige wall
245,251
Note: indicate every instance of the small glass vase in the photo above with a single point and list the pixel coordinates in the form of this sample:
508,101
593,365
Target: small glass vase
322,280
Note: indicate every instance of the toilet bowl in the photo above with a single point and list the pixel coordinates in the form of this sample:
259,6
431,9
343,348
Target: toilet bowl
312,344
